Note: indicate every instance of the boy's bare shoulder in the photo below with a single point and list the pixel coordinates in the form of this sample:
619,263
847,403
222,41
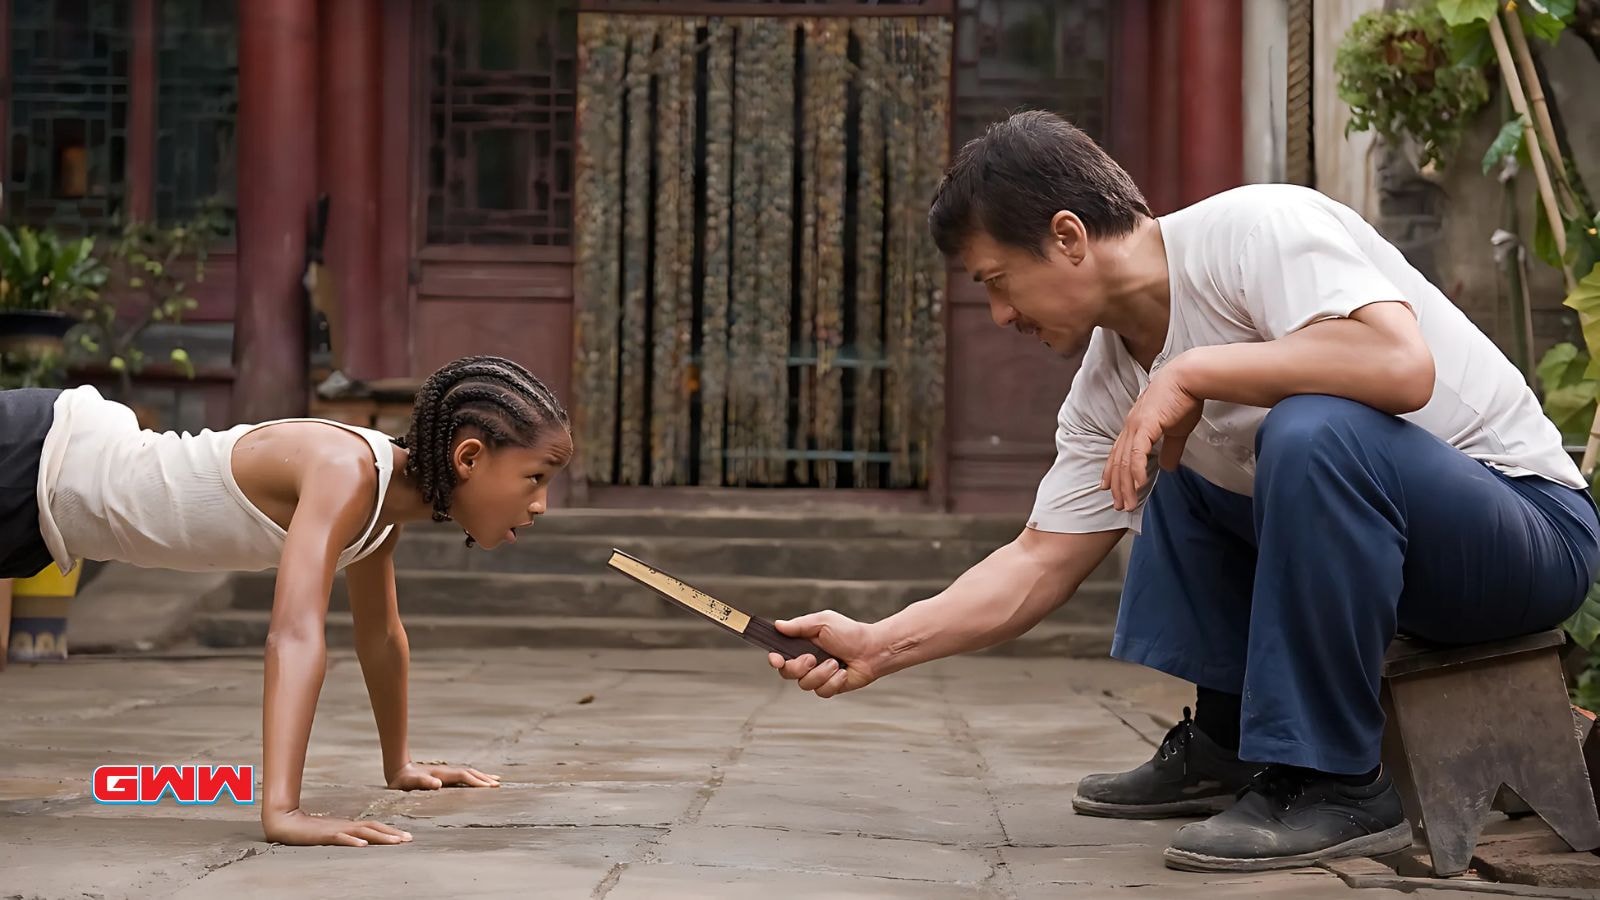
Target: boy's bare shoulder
316,454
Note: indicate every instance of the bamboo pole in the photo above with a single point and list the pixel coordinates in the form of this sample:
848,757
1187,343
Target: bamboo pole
1536,102
1508,70
1519,102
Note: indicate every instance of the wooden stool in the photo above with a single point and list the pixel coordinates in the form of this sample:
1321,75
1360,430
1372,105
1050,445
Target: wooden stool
1464,720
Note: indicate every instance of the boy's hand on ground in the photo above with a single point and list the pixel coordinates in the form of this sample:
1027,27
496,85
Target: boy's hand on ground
301,829
851,642
431,777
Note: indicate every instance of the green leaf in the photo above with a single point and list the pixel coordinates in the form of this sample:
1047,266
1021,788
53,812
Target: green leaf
118,364
1546,28
1546,19
182,361
1587,695
1470,45
1583,248
1585,299
1584,626
1509,140
1561,366
136,283
1571,408
1561,9
1461,12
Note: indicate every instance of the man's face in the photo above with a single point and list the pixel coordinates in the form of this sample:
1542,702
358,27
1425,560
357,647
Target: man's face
1055,298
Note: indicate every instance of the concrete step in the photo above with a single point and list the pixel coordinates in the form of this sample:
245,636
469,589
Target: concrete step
608,594
696,556
241,628
846,523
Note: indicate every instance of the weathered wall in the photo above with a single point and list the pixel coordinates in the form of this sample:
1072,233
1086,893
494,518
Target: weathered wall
1346,165
1266,48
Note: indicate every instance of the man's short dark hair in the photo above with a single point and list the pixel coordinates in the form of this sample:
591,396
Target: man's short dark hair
1013,180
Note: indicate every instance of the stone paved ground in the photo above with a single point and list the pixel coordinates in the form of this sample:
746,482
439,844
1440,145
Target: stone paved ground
690,774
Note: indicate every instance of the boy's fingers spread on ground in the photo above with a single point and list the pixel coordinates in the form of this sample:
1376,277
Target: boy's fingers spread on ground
378,837
348,840
381,826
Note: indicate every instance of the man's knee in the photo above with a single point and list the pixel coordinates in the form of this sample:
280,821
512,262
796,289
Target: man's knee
1305,423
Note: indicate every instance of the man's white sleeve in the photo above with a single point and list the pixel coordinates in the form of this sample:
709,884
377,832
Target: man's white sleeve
1300,265
1070,500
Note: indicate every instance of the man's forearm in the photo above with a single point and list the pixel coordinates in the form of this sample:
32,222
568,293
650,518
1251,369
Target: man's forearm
998,599
1379,366
385,666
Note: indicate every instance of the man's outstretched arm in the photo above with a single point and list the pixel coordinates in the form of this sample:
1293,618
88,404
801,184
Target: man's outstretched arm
1002,597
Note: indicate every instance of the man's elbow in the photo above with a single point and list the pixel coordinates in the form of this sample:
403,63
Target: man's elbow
1408,379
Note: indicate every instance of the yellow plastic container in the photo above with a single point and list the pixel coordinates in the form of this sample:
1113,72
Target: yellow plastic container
39,615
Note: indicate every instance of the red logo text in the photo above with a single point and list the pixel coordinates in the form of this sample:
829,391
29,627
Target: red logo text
187,784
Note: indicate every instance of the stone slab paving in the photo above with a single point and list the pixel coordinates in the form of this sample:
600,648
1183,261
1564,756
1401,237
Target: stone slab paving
628,775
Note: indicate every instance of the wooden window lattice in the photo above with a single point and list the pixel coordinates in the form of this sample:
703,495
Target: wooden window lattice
766,310
502,109
197,107
69,112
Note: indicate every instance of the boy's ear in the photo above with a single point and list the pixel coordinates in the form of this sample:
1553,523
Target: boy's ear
465,456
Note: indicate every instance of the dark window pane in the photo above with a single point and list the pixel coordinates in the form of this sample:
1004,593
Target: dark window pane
197,107
502,166
499,136
1031,54
68,115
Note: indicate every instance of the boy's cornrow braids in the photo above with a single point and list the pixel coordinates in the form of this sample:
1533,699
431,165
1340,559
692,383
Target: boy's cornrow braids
497,396
440,477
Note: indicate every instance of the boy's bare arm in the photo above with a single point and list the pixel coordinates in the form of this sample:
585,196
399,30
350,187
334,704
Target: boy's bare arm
335,504
385,657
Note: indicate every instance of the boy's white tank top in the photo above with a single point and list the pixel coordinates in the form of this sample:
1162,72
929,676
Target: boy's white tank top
109,490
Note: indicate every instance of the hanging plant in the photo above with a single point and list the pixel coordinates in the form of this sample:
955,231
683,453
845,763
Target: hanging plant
1396,72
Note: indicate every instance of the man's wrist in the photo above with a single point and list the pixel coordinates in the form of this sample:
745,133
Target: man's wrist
890,650
1187,371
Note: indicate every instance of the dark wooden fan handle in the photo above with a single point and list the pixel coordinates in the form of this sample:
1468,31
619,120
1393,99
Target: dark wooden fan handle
763,633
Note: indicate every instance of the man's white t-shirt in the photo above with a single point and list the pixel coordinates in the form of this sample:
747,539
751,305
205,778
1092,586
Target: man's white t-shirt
1254,264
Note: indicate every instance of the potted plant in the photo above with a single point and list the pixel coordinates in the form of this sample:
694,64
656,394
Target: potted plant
1398,76
44,279
153,267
